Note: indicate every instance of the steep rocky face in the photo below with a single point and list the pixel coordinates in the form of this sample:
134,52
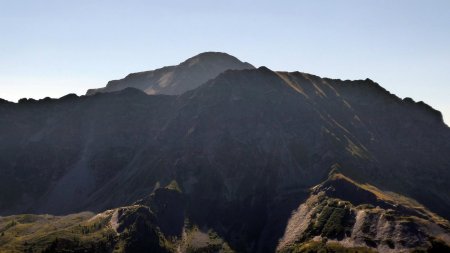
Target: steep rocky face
70,147
175,80
381,223
244,148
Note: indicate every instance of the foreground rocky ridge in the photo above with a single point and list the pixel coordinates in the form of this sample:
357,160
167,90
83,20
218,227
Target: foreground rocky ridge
162,222
157,223
244,148
344,214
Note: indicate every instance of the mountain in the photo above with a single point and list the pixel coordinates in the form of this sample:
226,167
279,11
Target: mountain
174,80
237,162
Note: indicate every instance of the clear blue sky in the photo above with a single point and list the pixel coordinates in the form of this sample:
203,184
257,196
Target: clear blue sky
51,48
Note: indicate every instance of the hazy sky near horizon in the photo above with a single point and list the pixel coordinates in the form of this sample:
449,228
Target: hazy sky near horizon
52,48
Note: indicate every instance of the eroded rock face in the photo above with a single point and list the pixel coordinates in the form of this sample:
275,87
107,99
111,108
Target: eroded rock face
328,220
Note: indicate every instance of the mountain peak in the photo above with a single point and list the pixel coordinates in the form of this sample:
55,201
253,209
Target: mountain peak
211,55
214,57
175,80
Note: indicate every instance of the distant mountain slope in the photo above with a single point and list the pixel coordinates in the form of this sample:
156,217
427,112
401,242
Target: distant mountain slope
175,80
244,148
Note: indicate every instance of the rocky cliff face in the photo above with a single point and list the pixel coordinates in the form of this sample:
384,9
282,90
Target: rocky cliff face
243,147
341,213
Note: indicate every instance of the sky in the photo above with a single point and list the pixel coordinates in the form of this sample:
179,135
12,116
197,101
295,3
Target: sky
52,48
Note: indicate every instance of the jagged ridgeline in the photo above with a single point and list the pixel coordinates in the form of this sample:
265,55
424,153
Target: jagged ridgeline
214,155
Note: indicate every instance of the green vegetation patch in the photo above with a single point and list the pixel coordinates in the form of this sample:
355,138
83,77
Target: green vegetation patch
333,219
46,233
173,185
323,247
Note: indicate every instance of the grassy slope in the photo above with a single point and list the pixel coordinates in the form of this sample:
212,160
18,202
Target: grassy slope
36,233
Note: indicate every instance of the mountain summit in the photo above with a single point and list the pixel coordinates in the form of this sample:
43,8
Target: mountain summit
174,80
